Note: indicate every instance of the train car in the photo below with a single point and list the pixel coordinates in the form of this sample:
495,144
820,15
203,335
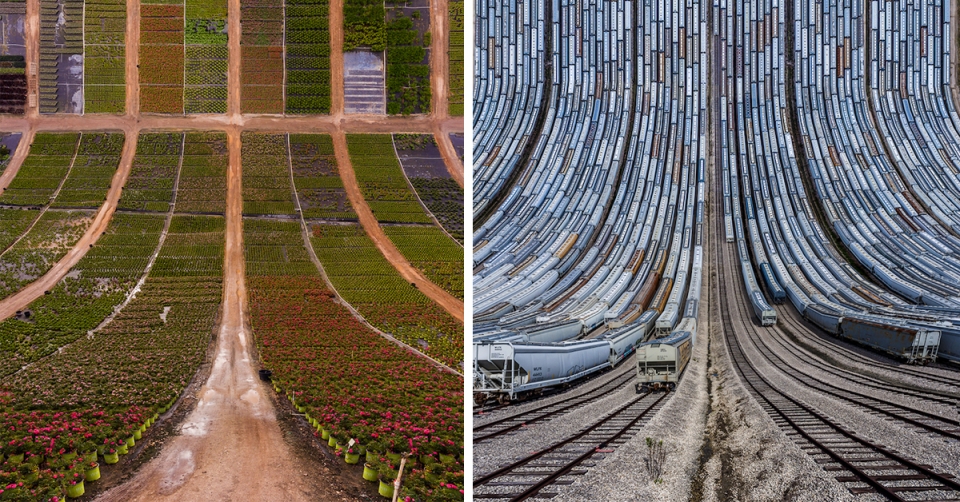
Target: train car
660,362
915,345
508,371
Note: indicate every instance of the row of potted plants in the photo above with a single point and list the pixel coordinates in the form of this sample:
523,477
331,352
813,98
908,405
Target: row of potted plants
350,383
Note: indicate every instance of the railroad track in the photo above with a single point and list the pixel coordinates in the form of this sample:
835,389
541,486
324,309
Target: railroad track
861,465
555,464
514,422
945,398
790,316
927,422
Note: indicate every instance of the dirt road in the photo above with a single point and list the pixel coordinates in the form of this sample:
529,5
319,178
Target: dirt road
336,59
439,40
16,160
380,239
230,447
235,59
31,41
132,67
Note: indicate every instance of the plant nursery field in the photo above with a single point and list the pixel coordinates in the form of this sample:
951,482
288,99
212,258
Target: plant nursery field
262,47
350,382
179,209
386,189
456,68
161,56
266,175
317,178
105,23
76,393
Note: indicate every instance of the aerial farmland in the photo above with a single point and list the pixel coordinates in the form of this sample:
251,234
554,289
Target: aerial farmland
231,250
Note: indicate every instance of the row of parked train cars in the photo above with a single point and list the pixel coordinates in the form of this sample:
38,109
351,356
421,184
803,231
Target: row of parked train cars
594,245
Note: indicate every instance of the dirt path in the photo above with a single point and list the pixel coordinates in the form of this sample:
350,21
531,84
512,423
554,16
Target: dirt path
439,69
11,304
439,41
449,154
336,60
235,60
133,58
13,167
230,447
383,243
31,36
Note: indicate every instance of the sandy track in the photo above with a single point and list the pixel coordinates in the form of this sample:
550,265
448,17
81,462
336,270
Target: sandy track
31,35
449,154
380,239
230,447
336,59
439,41
439,68
11,304
13,167
235,59
132,67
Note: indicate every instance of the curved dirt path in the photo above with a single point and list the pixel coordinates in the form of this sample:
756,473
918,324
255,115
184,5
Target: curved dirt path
13,167
230,447
380,239
132,67
449,154
10,305
439,70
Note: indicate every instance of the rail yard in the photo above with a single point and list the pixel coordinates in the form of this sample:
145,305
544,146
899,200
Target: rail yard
716,250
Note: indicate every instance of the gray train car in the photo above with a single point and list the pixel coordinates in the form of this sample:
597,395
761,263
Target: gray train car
660,362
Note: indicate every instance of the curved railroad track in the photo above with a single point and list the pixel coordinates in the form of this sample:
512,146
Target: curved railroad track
861,465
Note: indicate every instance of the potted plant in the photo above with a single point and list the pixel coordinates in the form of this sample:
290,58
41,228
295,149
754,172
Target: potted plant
92,471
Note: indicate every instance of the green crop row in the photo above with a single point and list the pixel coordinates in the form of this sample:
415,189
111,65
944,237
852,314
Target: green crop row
150,183
266,174
408,74
444,198
308,57
82,299
455,66
363,25
54,234
368,282
317,178
45,167
105,23
97,160
381,179
432,252
203,177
